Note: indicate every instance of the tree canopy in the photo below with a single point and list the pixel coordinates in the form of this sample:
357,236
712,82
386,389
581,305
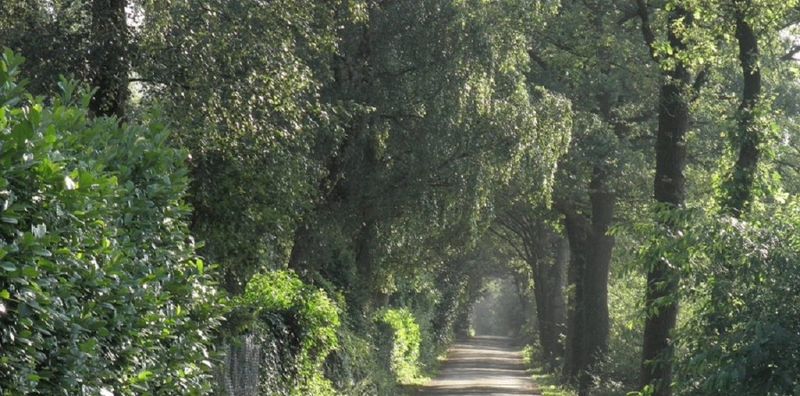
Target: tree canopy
296,197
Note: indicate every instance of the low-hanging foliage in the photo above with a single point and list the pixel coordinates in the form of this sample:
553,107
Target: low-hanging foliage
355,369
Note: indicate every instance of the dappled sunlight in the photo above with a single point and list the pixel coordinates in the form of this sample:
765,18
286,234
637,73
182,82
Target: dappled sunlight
482,365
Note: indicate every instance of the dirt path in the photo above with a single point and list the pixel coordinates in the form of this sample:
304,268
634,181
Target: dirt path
482,366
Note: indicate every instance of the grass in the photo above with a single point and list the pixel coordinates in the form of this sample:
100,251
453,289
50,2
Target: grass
548,385
546,382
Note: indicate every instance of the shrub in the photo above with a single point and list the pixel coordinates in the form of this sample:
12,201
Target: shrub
355,368
300,323
743,334
618,371
402,335
100,291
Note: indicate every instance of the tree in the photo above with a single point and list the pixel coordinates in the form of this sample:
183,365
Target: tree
524,229
109,62
245,89
444,116
661,302
611,108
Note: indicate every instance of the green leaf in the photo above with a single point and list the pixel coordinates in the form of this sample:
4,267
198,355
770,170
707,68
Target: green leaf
30,272
5,294
42,253
144,375
88,346
8,266
22,132
50,135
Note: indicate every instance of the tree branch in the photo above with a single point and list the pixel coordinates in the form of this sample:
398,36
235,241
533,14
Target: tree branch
788,56
647,30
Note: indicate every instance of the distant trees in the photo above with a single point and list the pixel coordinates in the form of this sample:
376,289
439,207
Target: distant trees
439,126
525,229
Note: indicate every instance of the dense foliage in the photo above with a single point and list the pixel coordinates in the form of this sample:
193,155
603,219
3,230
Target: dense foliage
403,340
300,322
317,197
742,334
101,290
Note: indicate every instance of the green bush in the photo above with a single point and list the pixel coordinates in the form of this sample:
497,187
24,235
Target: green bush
304,319
100,290
404,339
618,372
355,368
743,333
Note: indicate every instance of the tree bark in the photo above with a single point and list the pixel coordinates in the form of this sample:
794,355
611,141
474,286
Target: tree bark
560,281
365,248
590,251
348,190
300,255
661,302
546,318
739,186
548,278
596,273
109,61
577,230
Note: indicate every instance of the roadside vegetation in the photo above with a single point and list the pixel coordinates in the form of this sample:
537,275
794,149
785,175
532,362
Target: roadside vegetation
305,197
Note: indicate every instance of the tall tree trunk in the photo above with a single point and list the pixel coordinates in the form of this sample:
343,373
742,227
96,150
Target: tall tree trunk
560,281
590,251
365,248
521,285
545,320
595,282
661,301
739,186
351,168
548,279
109,59
301,255
577,229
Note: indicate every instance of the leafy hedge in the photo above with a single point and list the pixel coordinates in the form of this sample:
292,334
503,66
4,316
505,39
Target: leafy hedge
100,289
404,339
300,322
